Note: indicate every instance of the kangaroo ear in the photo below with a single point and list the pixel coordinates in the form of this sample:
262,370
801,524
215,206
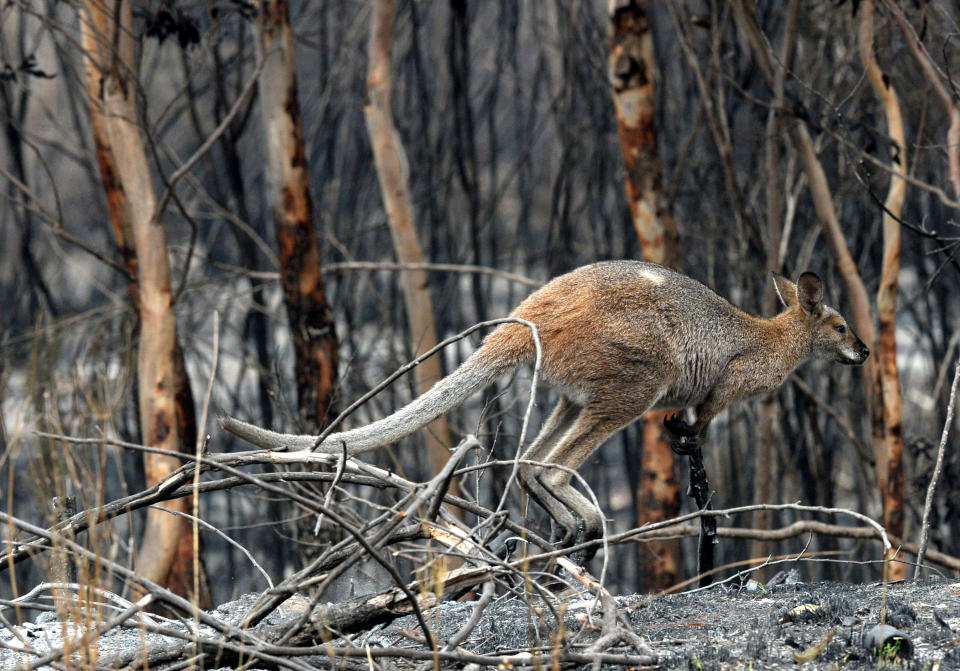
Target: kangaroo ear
786,290
810,292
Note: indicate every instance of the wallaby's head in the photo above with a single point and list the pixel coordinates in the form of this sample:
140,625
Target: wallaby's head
831,338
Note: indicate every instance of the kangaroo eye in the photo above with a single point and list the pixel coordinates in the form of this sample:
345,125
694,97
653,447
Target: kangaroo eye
840,328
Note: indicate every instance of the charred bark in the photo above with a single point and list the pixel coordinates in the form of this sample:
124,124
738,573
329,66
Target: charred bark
165,401
633,75
888,442
308,311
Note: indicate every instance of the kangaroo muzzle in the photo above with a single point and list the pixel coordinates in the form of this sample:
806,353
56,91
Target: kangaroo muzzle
857,355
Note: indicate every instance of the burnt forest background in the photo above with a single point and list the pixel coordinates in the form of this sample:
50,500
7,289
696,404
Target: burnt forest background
512,150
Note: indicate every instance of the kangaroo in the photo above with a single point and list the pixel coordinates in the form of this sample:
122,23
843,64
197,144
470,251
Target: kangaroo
618,338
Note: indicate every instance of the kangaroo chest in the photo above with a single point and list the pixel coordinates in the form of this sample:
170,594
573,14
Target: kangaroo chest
695,376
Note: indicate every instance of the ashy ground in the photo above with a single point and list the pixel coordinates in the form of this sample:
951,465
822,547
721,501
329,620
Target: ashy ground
800,626
752,628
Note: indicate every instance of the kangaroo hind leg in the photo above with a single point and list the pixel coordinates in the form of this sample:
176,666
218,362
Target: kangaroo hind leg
594,425
581,520
559,422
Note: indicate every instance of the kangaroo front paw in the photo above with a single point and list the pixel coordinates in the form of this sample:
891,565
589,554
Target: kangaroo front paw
678,426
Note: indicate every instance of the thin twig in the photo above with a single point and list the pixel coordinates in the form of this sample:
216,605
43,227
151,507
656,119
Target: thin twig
328,499
477,612
209,527
202,438
209,142
937,470
535,334
56,224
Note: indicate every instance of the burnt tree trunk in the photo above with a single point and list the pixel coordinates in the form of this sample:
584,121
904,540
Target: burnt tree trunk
166,555
632,74
309,314
888,442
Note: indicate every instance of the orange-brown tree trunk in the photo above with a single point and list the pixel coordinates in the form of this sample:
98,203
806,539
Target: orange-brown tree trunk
166,554
894,484
311,320
632,74
889,446
390,159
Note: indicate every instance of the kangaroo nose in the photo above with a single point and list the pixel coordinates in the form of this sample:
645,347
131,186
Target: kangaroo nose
864,351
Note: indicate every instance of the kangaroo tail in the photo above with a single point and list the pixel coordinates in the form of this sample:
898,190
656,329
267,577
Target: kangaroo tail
482,369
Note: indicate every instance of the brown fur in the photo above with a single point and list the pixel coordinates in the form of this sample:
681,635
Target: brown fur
617,339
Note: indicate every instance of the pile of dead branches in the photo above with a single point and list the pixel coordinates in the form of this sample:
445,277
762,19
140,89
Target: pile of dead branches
493,557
